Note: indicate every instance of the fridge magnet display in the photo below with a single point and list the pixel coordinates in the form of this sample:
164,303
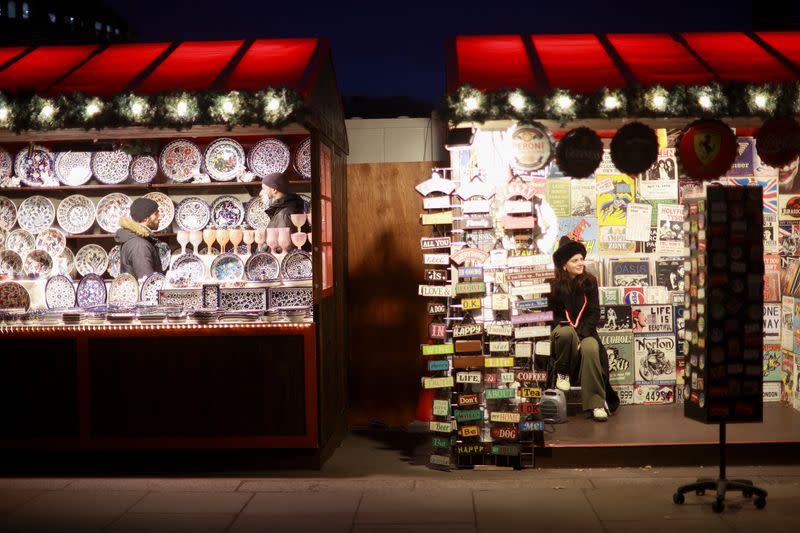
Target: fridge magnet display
633,295
634,148
583,196
777,141
612,203
579,152
707,148
610,296
670,273
531,147
773,362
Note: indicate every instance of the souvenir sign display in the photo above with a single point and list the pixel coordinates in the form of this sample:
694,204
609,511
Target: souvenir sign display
531,147
707,149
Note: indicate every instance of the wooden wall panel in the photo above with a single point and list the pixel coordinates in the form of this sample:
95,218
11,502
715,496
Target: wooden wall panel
387,319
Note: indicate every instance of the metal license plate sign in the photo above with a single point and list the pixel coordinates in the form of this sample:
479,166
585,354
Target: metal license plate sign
530,392
651,394
530,332
499,362
433,219
469,431
467,330
436,349
430,243
441,407
437,383
436,259
499,394
474,361
530,376
438,365
468,399
470,303
470,272
524,305
467,415
437,308
505,432
510,450
530,318
432,274
472,287
500,416
468,377
500,329
441,427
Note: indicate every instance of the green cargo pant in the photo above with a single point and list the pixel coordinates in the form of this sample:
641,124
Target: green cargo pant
581,358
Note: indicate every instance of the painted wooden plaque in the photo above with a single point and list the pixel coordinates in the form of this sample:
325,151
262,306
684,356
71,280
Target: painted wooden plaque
477,223
490,378
510,222
433,219
469,431
531,425
430,243
475,361
441,407
528,332
468,346
522,349
438,365
499,346
435,275
538,303
437,308
440,460
475,187
472,207
525,258
437,330
530,375
499,362
469,253
436,259
505,432
543,348
468,377
500,416
437,349
436,291
436,202
530,392
529,408
505,449
467,415
498,394
500,302
470,303
473,449
441,442
471,287
530,318
470,272
435,184
467,330
441,427
468,399
507,377
437,383
536,288
500,329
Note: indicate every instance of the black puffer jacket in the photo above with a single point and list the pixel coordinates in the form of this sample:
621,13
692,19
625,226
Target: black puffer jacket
138,253
280,211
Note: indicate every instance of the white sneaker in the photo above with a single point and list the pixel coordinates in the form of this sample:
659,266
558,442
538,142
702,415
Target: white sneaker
600,414
562,382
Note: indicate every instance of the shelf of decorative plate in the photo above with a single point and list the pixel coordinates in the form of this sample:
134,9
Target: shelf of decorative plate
111,235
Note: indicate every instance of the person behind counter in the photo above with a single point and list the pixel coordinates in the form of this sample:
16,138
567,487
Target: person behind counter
281,203
138,252
580,356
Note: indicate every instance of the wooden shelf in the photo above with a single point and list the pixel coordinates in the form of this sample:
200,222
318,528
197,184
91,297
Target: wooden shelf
143,186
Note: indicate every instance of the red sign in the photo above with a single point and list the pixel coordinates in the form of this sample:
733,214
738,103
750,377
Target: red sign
504,432
707,149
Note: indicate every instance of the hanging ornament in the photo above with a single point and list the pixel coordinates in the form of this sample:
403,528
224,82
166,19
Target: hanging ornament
531,148
579,153
634,148
778,141
707,148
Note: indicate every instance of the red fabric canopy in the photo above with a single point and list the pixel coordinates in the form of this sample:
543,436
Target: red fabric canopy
192,66
39,69
287,60
585,63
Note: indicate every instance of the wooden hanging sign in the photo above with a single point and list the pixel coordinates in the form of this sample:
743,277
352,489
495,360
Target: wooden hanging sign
499,394
435,184
436,259
470,272
441,442
437,330
429,243
529,408
473,449
519,258
469,253
468,399
436,291
542,348
499,416
530,392
440,460
500,302
499,362
506,377
435,275
499,346
437,308
474,361
433,219
469,431
469,377
437,383
471,287
436,202
524,290
438,365
505,432
441,407
467,330
499,257
469,304
518,207
468,346
523,349
500,329
510,222
467,415
475,207
474,188
490,378
477,223
538,303
437,349
529,376
441,427
509,450
531,425
529,332
530,318
530,274
519,188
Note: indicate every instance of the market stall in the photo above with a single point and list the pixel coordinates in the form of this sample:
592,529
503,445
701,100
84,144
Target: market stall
238,341
601,139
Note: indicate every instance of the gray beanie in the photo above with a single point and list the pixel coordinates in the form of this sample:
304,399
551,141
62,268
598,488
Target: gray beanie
141,208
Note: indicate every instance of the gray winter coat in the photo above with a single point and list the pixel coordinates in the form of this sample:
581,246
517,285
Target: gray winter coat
280,211
138,252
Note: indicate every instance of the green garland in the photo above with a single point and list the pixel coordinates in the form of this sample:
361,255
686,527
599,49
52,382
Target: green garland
271,108
468,104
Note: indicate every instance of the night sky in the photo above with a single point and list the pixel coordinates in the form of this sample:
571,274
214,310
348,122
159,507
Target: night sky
389,49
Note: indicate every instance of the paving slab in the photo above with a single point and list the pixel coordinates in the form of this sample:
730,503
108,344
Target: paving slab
311,511
711,524
547,509
192,502
168,522
416,507
633,503
156,484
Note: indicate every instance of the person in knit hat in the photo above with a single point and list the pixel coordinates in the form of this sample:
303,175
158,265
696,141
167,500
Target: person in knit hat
574,342
280,202
138,252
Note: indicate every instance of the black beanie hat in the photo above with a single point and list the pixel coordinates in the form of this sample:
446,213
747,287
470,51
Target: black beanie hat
566,249
277,181
141,208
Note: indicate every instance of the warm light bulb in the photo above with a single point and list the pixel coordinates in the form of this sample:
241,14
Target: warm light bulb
704,101
761,101
659,102
227,106
517,101
564,102
47,111
274,104
611,102
182,108
471,103
92,109
137,108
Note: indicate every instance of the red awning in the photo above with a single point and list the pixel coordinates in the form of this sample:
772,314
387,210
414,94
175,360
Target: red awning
162,67
586,63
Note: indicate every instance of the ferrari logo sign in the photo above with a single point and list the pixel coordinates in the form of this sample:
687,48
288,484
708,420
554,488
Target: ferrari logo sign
706,145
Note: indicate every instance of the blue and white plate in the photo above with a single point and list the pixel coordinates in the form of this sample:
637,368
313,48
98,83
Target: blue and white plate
59,293
227,212
192,214
91,291
150,287
227,267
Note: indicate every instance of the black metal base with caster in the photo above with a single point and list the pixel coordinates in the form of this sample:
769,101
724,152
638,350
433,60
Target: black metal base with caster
722,485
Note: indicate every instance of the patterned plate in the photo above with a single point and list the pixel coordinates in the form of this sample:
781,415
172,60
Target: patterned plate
52,240
6,164
91,291
180,160
144,168
165,254
227,267
111,167
165,207
75,214
8,213
73,168
224,159
114,261
59,293
91,259
257,217
227,212
35,169
150,287
193,213
3,234
297,265
36,213
268,156
124,290
302,159
262,267
21,242
38,263
111,208
14,296
64,263
10,263
190,264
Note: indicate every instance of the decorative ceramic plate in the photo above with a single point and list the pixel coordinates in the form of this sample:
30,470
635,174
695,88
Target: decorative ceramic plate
91,291
256,216
268,156
111,167
36,213
35,168
21,242
8,213
144,168
165,208
111,208
10,263
262,266
64,263
193,213
59,293
114,261
224,159
165,254
73,168
38,263
227,212
227,267
124,290
14,296
3,234
6,164
91,259
52,240
191,265
297,265
75,214
150,287
302,159
180,160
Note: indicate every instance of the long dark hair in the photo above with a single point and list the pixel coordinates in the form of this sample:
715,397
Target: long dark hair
582,283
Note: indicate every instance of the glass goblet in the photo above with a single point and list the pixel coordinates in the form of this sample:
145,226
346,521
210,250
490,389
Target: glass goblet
260,238
298,219
248,237
235,235
222,239
209,236
299,239
183,240
284,238
196,238
272,239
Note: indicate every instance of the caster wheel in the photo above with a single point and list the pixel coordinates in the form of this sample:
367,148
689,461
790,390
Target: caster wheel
678,498
700,492
718,506
760,502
